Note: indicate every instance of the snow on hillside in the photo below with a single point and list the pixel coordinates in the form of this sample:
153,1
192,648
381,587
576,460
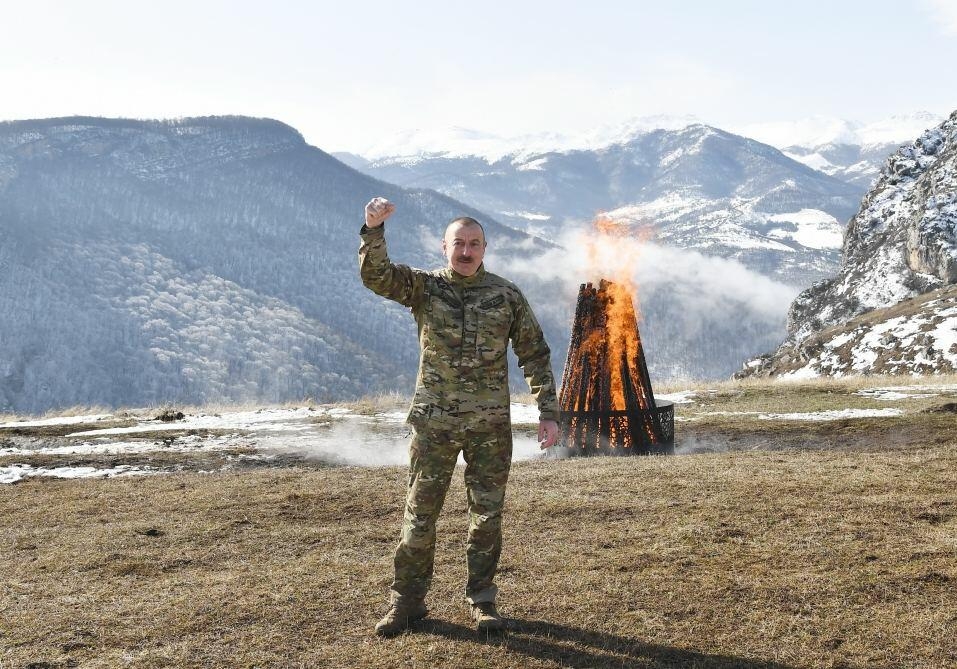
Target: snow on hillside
811,228
919,343
847,150
918,336
199,260
814,160
736,223
898,129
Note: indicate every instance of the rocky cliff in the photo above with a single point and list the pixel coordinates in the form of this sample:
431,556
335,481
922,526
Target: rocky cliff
902,244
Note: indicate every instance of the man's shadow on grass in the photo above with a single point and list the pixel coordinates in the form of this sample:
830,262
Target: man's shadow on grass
583,649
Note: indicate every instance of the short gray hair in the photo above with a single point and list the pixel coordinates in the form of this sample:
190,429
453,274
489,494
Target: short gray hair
467,220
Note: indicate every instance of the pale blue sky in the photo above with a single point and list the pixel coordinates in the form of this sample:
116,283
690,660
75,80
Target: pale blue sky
348,74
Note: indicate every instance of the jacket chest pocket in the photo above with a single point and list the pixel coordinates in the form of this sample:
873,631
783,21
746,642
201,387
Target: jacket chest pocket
443,318
494,319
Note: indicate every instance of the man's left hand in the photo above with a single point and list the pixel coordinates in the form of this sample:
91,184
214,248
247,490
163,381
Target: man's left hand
547,434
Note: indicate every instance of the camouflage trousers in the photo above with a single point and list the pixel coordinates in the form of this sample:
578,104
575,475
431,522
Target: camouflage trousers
433,454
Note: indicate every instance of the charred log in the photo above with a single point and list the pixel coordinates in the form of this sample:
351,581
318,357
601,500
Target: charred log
606,400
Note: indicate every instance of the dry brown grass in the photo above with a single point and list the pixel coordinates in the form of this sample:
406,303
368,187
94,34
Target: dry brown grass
842,384
791,544
379,403
745,559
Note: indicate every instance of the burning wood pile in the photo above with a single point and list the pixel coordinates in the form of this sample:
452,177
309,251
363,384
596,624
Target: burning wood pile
607,405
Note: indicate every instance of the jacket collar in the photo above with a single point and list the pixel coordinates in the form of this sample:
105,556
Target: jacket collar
457,279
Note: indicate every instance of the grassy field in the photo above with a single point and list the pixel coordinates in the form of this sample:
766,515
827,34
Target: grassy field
791,544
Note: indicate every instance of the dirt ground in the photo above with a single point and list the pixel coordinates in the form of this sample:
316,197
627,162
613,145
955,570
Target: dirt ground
788,557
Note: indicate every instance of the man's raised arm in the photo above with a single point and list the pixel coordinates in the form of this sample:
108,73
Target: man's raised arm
396,282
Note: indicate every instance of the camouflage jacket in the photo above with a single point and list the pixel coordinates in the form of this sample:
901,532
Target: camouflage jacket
465,324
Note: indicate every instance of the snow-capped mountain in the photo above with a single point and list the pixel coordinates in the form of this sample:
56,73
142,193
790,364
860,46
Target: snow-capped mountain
901,245
458,142
848,150
698,187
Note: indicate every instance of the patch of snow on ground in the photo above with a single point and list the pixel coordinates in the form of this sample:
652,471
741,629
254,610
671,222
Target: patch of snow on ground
62,420
945,335
347,438
836,414
907,392
904,333
15,473
892,395
262,419
393,416
802,374
680,397
105,446
841,339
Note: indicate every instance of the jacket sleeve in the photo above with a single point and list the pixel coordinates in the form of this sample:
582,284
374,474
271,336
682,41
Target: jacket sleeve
396,282
534,357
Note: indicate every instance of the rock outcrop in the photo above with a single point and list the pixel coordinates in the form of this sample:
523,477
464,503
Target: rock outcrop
901,244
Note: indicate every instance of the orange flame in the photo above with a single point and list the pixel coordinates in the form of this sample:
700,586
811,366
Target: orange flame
604,375
613,253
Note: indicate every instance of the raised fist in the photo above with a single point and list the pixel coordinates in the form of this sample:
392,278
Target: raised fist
377,211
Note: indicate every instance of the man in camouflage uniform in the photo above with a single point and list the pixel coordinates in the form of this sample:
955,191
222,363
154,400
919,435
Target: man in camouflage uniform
465,316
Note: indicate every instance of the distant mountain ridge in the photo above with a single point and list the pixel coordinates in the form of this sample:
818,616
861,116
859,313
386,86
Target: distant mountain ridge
848,150
459,142
821,130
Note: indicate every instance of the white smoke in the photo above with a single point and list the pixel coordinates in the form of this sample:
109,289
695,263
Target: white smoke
703,315
700,282
367,443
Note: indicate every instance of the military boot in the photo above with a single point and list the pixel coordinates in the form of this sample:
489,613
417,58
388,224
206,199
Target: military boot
400,617
486,617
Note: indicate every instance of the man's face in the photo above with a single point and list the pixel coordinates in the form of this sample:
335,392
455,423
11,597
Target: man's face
464,246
